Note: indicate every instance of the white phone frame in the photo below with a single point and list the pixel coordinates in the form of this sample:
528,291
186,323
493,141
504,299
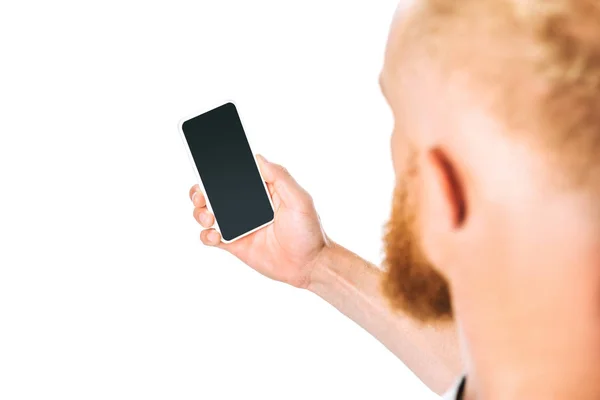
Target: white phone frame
195,168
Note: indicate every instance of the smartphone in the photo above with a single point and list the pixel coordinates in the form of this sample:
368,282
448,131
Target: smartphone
227,171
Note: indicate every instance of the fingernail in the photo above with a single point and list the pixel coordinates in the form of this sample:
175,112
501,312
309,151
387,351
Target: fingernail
263,157
213,236
194,197
204,218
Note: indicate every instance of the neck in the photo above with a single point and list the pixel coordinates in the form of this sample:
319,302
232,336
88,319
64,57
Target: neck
530,320
548,350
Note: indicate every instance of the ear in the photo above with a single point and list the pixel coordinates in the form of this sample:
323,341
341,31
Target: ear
443,201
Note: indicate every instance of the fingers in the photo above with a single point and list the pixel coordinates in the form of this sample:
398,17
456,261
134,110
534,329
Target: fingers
277,177
201,213
197,196
210,237
193,190
204,217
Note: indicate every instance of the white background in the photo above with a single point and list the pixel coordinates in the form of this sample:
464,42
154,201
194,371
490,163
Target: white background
105,289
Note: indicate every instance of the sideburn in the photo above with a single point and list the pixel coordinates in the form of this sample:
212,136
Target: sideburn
411,283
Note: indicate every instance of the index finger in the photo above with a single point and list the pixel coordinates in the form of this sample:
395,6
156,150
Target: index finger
197,196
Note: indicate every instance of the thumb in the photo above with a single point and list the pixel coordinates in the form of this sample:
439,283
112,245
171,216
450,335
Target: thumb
289,191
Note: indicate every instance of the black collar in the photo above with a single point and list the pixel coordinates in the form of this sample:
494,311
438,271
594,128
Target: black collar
461,389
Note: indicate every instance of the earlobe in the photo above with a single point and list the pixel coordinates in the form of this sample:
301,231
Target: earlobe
445,194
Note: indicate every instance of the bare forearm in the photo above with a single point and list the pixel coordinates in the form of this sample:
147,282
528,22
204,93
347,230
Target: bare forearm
351,284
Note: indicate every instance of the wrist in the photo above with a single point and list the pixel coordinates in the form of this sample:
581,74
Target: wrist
320,272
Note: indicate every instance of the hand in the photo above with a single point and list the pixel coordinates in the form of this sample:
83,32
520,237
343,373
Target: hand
285,250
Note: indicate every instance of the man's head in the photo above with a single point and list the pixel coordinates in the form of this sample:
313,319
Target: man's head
496,148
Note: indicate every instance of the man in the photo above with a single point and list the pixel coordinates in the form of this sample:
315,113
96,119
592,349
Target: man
495,228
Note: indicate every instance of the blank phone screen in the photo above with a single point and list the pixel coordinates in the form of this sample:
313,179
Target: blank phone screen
228,171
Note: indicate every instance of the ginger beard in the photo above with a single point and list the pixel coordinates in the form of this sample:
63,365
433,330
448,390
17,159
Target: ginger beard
411,283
